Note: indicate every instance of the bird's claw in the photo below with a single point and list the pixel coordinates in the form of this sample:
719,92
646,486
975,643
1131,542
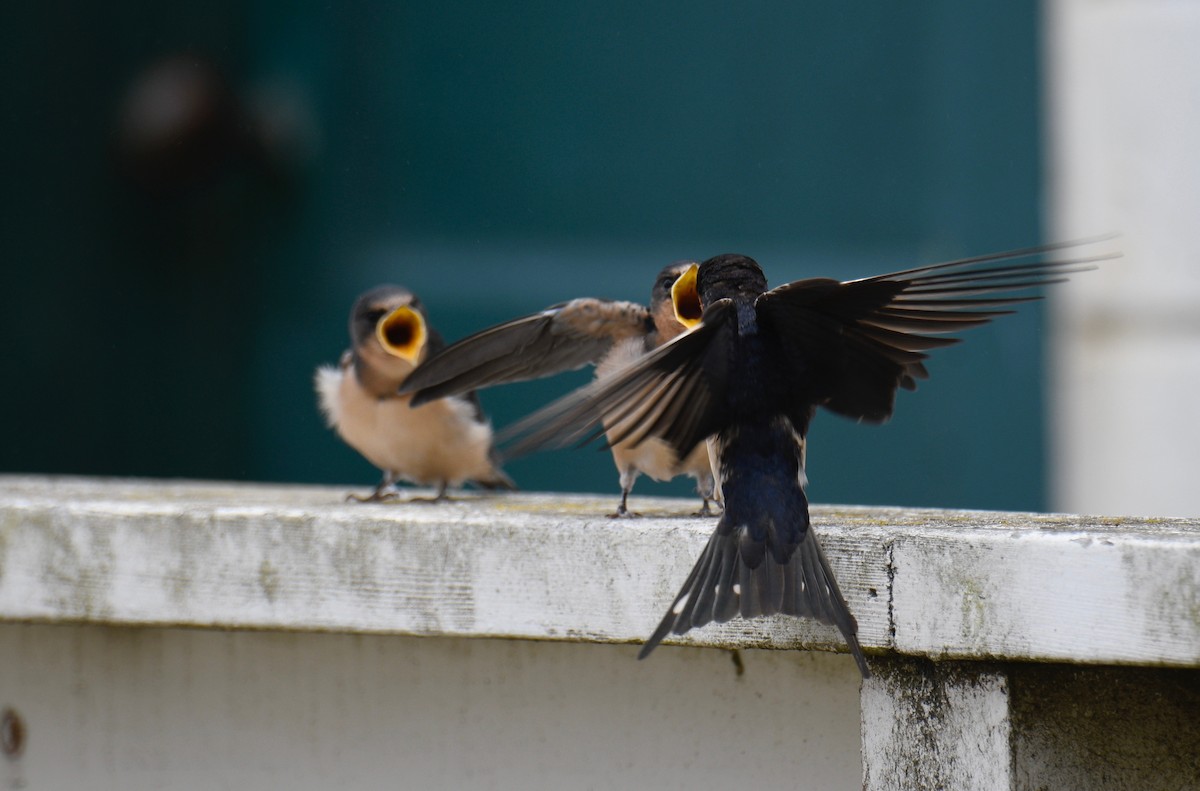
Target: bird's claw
376,496
625,513
441,498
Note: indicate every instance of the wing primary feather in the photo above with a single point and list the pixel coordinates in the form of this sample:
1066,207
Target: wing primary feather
907,341
963,290
1037,269
672,404
642,412
629,399
563,337
903,310
1006,255
921,302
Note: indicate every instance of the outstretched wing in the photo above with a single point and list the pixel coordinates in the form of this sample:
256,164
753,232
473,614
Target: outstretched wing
673,393
850,345
561,338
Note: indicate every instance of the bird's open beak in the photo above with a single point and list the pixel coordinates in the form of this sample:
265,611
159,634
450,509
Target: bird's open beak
686,298
402,333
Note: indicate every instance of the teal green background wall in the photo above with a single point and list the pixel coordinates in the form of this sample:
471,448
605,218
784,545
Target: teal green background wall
496,159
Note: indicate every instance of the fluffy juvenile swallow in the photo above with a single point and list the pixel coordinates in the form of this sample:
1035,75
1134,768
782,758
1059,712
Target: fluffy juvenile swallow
570,335
752,375
445,442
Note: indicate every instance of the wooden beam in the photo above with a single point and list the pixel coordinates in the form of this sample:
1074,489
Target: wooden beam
939,584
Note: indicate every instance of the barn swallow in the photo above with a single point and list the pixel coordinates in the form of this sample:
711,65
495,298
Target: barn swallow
752,374
445,442
570,335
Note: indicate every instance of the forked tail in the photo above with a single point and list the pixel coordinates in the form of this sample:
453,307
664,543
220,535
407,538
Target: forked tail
744,571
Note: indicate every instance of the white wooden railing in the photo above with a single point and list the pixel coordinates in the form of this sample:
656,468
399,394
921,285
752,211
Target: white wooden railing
178,633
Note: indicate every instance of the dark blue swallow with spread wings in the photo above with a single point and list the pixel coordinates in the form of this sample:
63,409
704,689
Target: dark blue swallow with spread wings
749,378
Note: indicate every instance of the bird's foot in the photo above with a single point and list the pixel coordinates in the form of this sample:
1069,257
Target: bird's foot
377,496
440,497
708,510
624,513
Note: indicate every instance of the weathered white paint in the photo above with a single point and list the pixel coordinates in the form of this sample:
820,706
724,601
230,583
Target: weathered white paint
1036,588
928,726
295,708
1122,82
933,583
121,708
958,726
535,566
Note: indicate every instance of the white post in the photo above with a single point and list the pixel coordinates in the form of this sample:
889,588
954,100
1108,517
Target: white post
1123,81
929,726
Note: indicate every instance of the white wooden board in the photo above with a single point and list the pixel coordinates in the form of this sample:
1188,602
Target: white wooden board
934,583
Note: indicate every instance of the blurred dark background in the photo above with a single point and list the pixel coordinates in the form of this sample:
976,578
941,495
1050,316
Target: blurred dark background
195,192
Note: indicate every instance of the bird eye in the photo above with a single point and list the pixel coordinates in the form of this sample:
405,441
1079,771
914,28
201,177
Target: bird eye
375,314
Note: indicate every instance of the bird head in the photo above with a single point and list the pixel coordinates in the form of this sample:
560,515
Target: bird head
663,309
729,275
389,331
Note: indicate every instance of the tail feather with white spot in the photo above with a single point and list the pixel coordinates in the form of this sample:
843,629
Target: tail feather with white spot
735,576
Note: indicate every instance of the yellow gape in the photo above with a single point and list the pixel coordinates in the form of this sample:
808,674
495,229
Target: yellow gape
402,333
686,299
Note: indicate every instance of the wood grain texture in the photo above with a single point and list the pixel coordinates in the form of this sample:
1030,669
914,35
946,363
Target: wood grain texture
925,582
